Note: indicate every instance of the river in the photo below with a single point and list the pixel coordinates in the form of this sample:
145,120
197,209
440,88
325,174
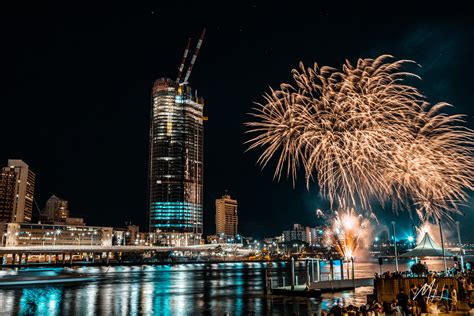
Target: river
183,289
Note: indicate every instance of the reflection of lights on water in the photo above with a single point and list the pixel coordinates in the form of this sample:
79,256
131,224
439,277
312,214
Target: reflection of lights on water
41,301
179,287
135,292
232,288
106,294
8,299
146,302
91,298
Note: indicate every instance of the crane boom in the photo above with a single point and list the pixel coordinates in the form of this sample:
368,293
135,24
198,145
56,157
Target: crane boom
193,60
181,67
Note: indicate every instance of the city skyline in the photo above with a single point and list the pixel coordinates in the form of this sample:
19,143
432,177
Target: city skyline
237,157
117,103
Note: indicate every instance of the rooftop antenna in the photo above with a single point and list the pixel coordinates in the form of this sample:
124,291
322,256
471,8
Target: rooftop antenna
193,60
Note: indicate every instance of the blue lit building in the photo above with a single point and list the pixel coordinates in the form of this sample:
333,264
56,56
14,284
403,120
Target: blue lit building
176,160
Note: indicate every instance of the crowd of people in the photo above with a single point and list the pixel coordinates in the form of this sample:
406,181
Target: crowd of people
404,304
419,299
421,269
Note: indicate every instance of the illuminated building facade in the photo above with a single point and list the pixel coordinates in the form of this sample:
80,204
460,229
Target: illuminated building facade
26,234
226,216
176,160
17,186
7,194
56,209
298,233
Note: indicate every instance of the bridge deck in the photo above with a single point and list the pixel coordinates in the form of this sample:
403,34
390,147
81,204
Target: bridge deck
85,248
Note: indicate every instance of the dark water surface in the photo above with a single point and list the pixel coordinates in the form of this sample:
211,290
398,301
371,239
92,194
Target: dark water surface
182,289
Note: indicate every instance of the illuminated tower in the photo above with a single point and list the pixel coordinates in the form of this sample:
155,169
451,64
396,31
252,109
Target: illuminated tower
17,186
226,216
176,159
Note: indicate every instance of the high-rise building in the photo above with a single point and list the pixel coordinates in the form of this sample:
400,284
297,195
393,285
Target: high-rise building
298,233
17,186
176,159
226,216
7,194
56,209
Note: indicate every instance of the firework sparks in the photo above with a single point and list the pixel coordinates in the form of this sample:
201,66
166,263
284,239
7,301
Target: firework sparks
348,233
432,170
431,229
366,136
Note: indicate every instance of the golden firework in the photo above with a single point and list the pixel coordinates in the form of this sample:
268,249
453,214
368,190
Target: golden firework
347,233
366,135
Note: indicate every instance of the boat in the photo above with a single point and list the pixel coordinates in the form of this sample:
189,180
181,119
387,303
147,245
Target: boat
42,277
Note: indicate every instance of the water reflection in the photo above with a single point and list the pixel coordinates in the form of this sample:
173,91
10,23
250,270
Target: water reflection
41,301
232,288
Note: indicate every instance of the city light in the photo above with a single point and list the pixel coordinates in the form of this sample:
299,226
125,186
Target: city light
94,98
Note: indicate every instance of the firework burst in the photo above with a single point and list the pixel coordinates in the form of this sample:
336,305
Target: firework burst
366,135
349,232
431,170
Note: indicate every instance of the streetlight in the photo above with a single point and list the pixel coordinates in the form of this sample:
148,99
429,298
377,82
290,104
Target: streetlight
44,235
442,245
56,233
395,243
92,237
460,247
80,238
125,239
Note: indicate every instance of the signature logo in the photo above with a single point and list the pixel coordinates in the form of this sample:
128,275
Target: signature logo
428,291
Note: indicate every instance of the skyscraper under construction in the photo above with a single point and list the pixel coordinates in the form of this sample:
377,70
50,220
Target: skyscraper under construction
176,159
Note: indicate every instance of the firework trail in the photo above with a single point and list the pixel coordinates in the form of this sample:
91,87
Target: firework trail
366,135
431,170
348,233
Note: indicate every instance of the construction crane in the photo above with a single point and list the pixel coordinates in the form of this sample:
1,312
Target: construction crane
193,60
181,67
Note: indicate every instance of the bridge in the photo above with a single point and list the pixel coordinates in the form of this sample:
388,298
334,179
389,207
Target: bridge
55,249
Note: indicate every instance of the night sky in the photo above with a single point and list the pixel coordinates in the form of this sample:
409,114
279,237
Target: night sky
76,83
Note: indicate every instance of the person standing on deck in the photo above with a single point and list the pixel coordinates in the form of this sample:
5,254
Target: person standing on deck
445,298
402,299
454,299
